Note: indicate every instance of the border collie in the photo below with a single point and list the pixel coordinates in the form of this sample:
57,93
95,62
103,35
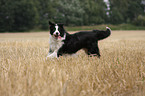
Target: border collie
61,42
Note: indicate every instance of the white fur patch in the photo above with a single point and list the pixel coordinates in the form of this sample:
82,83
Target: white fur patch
108,28
54,45
52,55
56,30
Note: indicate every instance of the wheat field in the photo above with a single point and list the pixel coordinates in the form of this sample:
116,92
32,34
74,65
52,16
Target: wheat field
24,70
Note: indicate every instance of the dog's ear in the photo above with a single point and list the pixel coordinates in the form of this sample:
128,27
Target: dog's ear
50,23
61,24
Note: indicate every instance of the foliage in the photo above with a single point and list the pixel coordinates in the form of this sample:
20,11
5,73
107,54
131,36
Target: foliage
46,10
17,15
140,20
71,13
125,11
24,15
94,12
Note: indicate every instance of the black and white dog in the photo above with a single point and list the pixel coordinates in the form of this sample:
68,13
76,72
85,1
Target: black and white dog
61,42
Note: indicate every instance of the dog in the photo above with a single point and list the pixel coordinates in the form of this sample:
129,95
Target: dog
61,42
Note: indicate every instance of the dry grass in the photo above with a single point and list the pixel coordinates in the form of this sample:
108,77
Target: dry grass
119,72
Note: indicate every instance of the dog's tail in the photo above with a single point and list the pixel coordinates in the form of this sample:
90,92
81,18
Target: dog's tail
103,34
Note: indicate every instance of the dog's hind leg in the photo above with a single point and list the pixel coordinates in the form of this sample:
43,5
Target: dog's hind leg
94,50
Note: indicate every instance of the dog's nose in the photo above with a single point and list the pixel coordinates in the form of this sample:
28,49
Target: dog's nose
56,33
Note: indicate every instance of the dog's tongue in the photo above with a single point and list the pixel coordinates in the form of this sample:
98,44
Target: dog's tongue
59,37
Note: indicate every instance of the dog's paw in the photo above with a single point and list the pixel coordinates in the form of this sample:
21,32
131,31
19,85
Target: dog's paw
53,55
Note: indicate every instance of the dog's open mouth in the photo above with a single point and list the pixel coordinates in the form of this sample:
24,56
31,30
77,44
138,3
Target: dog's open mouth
57,36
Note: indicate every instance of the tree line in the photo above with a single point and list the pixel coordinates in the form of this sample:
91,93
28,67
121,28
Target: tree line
23,15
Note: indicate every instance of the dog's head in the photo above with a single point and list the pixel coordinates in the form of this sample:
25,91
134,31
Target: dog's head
57,31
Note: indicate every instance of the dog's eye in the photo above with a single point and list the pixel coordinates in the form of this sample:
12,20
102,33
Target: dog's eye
52,29
60,29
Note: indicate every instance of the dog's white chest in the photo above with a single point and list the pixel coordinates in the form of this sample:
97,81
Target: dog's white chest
55,44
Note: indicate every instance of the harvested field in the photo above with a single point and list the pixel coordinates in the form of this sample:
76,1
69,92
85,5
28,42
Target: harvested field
24,70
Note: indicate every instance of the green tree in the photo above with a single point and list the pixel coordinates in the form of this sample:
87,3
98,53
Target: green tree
139,21
125,11
25,15
6,15
94,11
135,8
17,15
69,12
118,10
47,11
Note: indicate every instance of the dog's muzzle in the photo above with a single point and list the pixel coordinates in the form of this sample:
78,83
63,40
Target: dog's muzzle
57,36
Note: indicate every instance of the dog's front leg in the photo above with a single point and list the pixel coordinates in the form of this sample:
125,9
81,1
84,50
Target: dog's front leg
52,55
60,52
50,52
